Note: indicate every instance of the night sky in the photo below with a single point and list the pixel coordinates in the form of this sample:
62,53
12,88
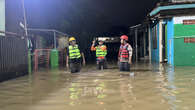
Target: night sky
98,17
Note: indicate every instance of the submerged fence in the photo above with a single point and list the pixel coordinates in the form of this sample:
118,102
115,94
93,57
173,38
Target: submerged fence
13,56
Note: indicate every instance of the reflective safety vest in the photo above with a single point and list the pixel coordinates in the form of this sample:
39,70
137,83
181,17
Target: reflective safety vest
124,53
100,52
74,52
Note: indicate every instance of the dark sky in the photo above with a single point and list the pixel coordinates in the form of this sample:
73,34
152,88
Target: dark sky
91,16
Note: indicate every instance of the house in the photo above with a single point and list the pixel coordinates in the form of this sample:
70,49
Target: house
172,33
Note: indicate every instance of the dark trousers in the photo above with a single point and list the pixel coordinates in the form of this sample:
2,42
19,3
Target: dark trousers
124,66
75,67
101,63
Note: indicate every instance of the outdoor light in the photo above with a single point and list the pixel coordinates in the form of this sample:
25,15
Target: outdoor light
22,25
164,22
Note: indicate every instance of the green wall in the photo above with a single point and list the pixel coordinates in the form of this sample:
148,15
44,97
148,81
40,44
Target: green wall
2,15
184,52
184,30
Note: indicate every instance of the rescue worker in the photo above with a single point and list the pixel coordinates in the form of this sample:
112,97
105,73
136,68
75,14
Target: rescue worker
125,54
101,52
74,55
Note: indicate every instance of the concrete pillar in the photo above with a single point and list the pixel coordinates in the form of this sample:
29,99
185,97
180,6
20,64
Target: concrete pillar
144,42
136,35
149,44
160,42
29,62
55,41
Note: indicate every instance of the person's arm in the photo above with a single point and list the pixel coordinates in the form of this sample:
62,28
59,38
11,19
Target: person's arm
67,58
83,56
130,54
130,61
93,46
119,54
105,49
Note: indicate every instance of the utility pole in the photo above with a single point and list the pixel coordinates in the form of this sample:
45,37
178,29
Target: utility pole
54,39
24,16
149,44
136,46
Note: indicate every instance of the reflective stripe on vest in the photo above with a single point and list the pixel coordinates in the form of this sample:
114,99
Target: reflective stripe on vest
124,53
100,52
74,52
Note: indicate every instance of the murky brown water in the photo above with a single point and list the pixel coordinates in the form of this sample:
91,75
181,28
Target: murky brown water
151,88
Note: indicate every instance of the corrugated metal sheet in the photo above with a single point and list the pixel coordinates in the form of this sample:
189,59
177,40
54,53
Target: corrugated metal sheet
13,57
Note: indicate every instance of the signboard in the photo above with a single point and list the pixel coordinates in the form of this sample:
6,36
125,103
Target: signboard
189,22
189,40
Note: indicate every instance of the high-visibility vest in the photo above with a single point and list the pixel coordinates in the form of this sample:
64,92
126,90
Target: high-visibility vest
74,52
100,52
124,53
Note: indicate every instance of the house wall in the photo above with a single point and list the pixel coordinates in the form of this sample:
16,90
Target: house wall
184,52
2,15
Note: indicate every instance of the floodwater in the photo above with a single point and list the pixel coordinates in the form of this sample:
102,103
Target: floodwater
147,87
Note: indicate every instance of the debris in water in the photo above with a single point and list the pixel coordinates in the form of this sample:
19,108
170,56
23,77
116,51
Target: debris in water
131,74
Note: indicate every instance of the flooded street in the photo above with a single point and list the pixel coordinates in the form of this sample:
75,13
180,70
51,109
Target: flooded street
147,87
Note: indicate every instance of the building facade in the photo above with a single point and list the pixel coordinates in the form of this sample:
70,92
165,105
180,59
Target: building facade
172,34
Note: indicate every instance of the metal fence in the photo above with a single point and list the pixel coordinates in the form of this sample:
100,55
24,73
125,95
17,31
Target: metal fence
13,56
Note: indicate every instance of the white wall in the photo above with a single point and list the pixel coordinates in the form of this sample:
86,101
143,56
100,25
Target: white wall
2,16
179,20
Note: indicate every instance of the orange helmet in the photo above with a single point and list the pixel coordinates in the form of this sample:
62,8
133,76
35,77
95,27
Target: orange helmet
124,37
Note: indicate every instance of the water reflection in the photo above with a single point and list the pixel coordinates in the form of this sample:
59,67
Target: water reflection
78,91
165,77
159,88
127,94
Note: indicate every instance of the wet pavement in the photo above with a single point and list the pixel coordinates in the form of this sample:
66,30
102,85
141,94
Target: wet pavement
147,87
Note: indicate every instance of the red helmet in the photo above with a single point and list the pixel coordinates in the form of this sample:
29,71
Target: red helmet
125,37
